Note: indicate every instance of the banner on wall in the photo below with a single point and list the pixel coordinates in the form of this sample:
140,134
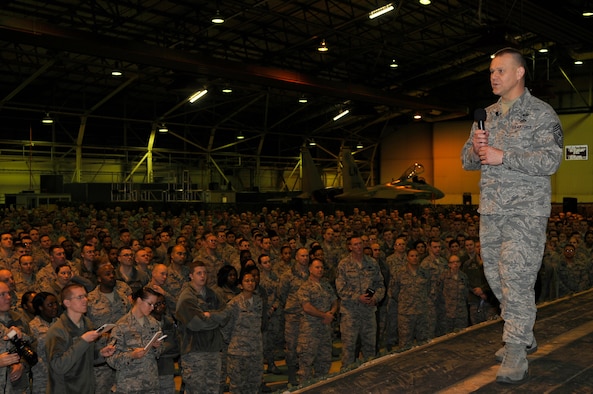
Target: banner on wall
576,152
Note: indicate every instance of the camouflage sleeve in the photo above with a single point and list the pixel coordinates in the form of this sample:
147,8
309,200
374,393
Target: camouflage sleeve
469,160
229,327
378,285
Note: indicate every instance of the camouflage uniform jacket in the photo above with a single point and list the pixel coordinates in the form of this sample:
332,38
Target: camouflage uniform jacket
135,374
243,331
176,280
39,328
4,347
354,279
100,309
290,282
452,293
320,295
521,184
410,291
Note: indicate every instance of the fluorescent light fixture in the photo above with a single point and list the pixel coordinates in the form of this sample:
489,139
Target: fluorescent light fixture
578,62
47,119
303,99
197,95
417,116
359,145
227,89
543,50
240,136
341,114
588,13
312,142
394,64
163,129
116,73
380,11
217,18
424,2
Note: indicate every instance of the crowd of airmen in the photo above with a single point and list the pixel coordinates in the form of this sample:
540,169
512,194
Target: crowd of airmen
235,292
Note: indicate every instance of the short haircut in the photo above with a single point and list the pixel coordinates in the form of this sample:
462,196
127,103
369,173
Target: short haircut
69,288
515,53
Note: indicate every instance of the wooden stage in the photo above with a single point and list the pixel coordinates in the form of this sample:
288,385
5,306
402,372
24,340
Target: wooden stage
464,362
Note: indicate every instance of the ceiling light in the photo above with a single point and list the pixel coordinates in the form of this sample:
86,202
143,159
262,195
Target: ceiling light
217,18
359,145
588,13
47,119
543,50
424,2
312,142
303,99
394,64
417,116
197,95
227,89
578,62
322,47
380,11
163,129
116,72
240,136
341,114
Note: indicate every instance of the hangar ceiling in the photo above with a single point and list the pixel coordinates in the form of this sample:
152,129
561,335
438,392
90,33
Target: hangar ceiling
57,57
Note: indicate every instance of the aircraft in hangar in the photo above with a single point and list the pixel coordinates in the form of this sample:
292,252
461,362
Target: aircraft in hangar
409,187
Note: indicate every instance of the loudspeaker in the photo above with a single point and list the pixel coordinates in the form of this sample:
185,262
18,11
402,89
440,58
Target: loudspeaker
52,184
467,199
569,204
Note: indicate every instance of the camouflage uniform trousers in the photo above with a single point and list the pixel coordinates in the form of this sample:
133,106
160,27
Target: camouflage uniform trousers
391,332
314,350
292,322
167,384
412,327
272,335
512,249
358,322
246,373
201,372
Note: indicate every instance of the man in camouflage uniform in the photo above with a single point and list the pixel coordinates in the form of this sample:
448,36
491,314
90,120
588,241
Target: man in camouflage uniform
177,272
519,150
452,293
320,304
409,292
201,313
290,282
360,287
572,272
107,303
209,256
436,264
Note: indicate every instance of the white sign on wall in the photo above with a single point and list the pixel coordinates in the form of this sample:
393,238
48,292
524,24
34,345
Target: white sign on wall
576,152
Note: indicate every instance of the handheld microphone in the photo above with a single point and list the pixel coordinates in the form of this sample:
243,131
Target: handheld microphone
480,117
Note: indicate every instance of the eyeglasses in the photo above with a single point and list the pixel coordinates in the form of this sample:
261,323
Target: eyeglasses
79,298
